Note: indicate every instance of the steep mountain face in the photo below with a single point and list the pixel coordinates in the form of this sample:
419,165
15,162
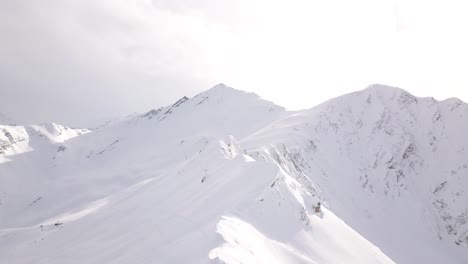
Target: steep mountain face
226,177
390,164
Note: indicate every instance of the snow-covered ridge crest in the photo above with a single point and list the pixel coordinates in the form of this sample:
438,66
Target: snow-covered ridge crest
219,97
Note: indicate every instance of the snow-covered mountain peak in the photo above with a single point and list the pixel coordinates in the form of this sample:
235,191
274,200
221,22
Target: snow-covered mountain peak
385,94
218,111
384,89
221,87
218,92
222,90
389,94
400,151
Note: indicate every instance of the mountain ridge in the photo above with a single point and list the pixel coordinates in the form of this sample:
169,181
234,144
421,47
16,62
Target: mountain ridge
229,162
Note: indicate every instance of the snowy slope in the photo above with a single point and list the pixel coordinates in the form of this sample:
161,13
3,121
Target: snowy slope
111,159
226,177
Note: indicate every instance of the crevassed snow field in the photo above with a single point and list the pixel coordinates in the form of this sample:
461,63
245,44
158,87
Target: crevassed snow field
226,177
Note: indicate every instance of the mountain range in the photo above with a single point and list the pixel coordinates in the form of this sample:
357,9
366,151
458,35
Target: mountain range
227,177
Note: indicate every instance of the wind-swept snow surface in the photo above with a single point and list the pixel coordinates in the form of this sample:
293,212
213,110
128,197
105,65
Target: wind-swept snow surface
226,177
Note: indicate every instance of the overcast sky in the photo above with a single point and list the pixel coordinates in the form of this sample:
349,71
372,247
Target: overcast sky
78,61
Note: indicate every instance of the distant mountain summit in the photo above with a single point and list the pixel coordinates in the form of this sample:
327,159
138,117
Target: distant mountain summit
20,139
